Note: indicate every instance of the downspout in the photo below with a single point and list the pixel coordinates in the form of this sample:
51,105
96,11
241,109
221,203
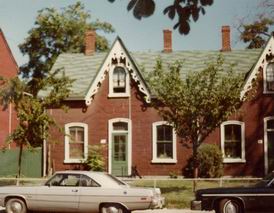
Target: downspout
129,117
10,121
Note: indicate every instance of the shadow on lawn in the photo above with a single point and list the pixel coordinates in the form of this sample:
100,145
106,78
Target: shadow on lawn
173,189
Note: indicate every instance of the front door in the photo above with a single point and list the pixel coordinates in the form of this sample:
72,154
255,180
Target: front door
269,136
120,154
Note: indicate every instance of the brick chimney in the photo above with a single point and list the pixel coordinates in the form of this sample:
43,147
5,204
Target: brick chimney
90,38
226,39
167,41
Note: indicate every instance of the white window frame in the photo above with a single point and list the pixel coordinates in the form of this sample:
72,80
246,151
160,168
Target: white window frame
266,91
233,160
67,151
113,94
155,159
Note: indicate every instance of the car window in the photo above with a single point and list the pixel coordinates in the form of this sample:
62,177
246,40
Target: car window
64,180
86,181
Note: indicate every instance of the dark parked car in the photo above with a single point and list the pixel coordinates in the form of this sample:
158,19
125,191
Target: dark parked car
255,198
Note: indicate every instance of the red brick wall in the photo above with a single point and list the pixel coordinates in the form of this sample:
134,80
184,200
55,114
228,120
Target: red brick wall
101,110
8,68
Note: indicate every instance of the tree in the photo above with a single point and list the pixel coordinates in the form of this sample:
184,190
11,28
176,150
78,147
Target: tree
56,32
197,103
185,10
256,31
34,122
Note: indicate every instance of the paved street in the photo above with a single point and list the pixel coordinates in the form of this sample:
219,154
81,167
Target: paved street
157,211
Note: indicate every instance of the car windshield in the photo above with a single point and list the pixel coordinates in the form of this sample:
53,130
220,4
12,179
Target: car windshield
266,180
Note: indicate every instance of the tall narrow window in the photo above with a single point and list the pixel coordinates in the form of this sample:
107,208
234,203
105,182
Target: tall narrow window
164,143
232,141
119,80
75,142
269,75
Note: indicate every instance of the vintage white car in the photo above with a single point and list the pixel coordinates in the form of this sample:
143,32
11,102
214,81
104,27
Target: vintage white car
80,191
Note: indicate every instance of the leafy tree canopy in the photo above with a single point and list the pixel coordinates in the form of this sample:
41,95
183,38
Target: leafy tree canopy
55,32
183,10
255,32
198,102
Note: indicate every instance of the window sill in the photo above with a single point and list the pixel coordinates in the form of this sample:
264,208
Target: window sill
268,92
235,160
164,161
118,95
74,160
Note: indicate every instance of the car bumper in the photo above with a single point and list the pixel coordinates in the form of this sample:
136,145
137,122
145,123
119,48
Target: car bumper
158,203
196,205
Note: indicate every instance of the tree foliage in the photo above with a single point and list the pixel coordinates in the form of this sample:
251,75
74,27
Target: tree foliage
184,10
255,32
54,32
195,103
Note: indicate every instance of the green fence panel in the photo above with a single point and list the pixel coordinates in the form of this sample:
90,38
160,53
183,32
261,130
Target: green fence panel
31,165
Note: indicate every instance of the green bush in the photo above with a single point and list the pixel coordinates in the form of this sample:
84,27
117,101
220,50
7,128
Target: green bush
95,160
210,162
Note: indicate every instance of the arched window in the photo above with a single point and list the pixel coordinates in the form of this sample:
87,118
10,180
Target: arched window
269,77
76,142
233,141
118,82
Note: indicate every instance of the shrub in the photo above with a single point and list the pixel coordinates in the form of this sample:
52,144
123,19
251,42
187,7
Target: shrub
95,160
210,162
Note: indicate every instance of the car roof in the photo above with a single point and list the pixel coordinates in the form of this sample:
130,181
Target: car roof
100,177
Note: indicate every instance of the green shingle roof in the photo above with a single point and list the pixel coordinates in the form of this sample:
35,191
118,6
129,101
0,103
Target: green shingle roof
85,68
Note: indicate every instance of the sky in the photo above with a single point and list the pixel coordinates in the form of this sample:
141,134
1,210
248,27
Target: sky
17,17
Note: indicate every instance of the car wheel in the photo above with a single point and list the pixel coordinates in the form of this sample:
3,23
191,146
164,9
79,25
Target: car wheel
230,206
113,208
16,205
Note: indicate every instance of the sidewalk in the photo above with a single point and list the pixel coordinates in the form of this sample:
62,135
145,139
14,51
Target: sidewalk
172,211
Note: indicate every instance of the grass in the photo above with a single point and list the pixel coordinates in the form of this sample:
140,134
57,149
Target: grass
179,193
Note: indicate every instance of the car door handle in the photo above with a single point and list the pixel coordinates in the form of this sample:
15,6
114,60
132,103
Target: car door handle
75,190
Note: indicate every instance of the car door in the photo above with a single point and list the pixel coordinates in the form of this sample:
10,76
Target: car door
89,195
60,194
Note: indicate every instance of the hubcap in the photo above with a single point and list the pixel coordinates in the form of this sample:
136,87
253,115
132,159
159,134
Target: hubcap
112,209
16,207
230,208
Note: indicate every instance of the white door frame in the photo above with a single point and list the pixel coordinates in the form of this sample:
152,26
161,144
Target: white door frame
266,119
110,131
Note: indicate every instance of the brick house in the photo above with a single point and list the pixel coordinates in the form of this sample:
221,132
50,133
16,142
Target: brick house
8,68
110,105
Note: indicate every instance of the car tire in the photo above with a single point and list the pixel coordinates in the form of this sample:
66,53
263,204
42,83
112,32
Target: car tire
113,208
16,205
230,206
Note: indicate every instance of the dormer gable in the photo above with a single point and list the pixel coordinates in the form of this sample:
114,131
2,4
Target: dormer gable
265,64
121,69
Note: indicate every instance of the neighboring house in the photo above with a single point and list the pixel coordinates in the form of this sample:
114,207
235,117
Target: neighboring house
110,105
8,69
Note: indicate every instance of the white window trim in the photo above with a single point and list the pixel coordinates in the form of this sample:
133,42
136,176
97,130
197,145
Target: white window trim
110,132
111,93
77,124
234,160
155,159
264,79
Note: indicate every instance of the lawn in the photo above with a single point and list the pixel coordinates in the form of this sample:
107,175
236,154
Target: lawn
179,193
